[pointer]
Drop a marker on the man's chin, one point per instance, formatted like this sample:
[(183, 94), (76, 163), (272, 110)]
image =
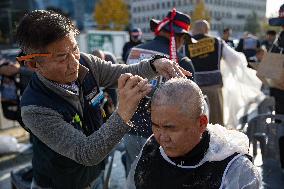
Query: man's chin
[(73, 77), (170, 153)]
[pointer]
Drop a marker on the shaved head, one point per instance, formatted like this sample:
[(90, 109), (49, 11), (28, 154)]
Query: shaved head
[(182, 93), (201, 27), (99, 53)]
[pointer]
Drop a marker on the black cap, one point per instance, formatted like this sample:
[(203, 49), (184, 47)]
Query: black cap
[(135, 31), (278, 21)]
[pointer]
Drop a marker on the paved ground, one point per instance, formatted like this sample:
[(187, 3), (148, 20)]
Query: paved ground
[(18, 161), (11, 162)]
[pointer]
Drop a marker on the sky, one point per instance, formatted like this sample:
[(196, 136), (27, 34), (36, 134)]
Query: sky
[(272, 7)]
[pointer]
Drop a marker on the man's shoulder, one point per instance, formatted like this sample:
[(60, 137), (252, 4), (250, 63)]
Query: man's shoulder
[(157, 44), (242, 172), (237, 160), (86, 56), (145, 45), (89, 60), (35, 94)]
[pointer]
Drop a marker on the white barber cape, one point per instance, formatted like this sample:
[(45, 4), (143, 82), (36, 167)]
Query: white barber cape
[(241, 89), (240, 172)]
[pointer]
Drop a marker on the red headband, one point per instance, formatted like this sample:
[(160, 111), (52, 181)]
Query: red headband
[(180, 24)]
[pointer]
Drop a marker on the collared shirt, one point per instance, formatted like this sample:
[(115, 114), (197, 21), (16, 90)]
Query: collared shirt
[(73, 87)]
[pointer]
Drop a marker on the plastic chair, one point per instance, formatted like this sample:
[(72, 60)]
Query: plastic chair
[(267, 129), (267, 106)]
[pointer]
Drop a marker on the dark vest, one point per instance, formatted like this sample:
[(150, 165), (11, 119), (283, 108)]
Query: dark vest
[(154, 172), (205, 56), (51, 169)]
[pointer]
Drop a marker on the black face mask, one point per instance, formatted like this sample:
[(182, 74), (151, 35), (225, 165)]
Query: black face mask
[(280, 40)]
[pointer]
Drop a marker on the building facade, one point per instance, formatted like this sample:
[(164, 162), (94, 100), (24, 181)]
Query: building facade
[(223, 13), (81, 11)]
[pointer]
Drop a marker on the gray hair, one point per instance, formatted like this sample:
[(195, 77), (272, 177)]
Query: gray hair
[(183, 93), (201, 27)]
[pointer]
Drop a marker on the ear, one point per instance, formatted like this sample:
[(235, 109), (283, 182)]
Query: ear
[(203, 121), (31, 65)]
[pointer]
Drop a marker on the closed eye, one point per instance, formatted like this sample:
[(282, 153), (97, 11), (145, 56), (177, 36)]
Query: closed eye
[(154, 124), (171, 127)]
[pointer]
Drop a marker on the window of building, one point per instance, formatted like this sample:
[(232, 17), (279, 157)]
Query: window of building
[(163, 5), (147, 19), (240, 16), (210, 13), (158, 5), (169, 4)]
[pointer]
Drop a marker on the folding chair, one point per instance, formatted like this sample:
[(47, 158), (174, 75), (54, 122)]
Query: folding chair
[(268, 129)]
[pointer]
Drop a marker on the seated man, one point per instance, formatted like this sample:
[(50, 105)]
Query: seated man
[(187, 152)]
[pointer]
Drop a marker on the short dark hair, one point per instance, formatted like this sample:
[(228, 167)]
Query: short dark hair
[(226, 30), (39, 28), (271, 32)]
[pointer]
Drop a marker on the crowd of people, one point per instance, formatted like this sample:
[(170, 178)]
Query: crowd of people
[(168, 108)]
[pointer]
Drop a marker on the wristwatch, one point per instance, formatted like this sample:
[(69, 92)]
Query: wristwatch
[(155, 57)]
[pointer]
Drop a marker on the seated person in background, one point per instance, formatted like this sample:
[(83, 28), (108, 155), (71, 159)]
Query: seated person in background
[(226, 37), (187, 152), (255, 60), (248, 45), (269, 39)]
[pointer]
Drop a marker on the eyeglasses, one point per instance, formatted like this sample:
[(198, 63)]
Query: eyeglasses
[(31, 56)]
